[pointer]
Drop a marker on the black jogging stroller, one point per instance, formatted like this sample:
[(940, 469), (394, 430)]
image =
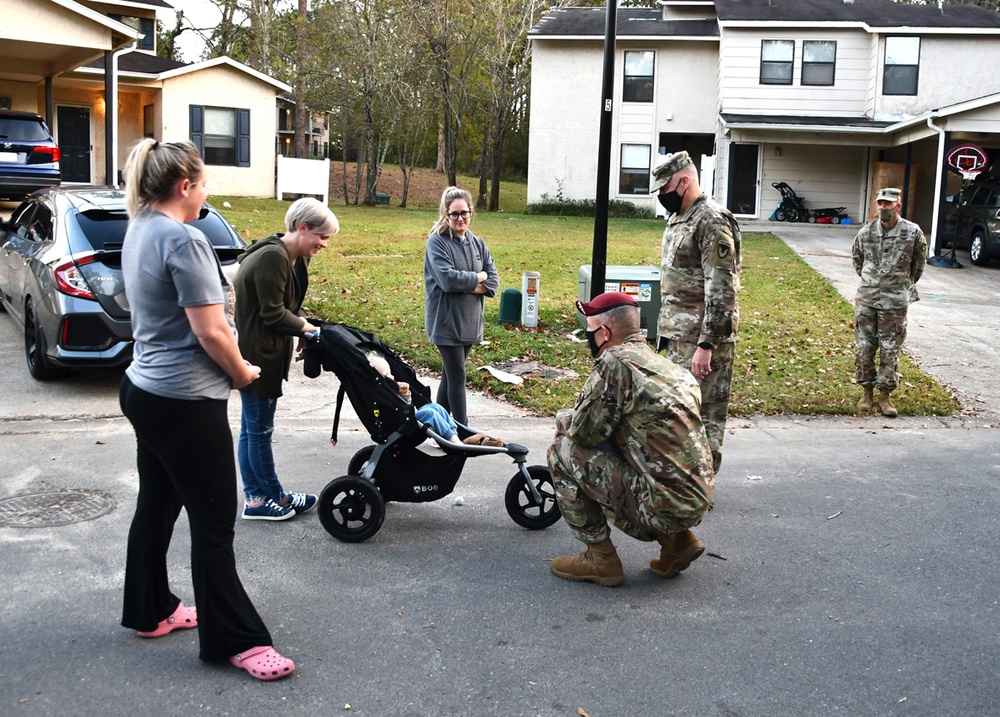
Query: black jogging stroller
[(352, 507), (791, 208)]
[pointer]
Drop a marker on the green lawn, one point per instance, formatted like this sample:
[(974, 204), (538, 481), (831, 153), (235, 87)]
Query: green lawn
[(795, 354)]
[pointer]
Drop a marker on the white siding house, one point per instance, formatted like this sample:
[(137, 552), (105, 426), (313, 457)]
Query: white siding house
[(828, 97)]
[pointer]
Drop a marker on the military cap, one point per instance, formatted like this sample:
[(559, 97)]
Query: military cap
[(890, 194), (667, 168), (605, 302)]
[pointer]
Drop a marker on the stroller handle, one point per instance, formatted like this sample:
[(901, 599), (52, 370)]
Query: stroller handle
[(311, 337)]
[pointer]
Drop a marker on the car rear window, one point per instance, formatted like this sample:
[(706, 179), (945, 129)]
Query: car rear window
[(22, 130), (105, 230), (216, 229)]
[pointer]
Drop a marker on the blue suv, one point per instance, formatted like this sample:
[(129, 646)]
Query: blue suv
[(29, 157)]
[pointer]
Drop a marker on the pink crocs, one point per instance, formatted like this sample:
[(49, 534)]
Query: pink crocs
[(183, 618), (263, 663)]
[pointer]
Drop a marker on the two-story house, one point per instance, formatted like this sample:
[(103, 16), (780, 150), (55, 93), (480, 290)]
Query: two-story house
[(90, 69), (833, 97)]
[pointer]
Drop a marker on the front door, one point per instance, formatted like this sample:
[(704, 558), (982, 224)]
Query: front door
[(741, 195), (73, 135)]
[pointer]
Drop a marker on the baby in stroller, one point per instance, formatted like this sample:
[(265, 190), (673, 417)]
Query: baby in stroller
[(432, 414)]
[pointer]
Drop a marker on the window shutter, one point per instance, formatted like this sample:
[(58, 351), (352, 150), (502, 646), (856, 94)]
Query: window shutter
[(196, 127), (242, 138), (147, 26)]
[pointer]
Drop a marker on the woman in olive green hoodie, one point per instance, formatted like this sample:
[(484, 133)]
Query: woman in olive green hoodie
[(270, 287)]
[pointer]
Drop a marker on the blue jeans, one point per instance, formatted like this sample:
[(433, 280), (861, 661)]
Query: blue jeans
[(437, 419), (254, 449)]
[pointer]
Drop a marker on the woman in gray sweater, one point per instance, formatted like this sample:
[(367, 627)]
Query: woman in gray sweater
[(458, 272)]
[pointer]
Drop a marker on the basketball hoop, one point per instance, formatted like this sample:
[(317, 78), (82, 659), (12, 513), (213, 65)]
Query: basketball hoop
[(968, 160)]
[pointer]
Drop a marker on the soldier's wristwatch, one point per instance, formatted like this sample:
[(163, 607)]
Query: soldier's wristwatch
[(704, 345)]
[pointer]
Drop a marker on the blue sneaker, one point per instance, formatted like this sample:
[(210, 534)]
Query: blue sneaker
[(300, 502), (268, 510)]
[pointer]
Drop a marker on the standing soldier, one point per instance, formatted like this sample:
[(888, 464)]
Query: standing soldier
[(700, 283), (889, 255), (633, 449)]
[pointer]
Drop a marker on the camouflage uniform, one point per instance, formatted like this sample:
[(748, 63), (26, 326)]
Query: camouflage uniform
[(700, 284), (889, 262), (633, 449)]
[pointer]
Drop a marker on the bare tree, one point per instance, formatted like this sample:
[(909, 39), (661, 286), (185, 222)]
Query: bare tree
[(301, 55)]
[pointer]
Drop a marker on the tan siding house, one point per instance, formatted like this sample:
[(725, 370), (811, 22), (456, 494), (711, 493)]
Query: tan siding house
[(54, 56)]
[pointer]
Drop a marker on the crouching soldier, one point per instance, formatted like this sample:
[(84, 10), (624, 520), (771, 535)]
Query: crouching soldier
[(633, 449)]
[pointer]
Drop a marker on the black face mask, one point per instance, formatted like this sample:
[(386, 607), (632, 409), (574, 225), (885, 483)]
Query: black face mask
[(592, 343), (671, 201)]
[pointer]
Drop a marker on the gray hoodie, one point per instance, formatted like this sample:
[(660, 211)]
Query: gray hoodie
[(453, 315)]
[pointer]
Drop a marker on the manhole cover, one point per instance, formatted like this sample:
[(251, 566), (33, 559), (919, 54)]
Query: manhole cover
[(44, 510)]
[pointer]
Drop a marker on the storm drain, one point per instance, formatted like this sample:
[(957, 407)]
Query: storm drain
[(44, 510)]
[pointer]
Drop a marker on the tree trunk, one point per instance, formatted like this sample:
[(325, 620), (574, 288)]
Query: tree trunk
[(495, 167), (484, 168), (301, 114), (343, 156), (439, 167)]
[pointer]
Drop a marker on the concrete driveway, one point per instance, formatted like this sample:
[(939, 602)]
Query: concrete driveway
[(953, 332)]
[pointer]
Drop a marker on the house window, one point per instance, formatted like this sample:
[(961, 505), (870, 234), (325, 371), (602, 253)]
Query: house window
[(902, 59), (221, 134), (145, 25), (638, 86), (634, 177), (819, 57), (776, 62)]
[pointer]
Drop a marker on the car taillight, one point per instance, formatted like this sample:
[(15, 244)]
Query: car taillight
[(44, 155), (70, 280)]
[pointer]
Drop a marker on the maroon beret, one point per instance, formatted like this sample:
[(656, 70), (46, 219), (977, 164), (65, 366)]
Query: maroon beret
[(605, 302)]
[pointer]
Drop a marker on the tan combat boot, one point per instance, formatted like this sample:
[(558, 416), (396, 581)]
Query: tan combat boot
[(676, 553), (599, 564), (865, 404), (885, 405)]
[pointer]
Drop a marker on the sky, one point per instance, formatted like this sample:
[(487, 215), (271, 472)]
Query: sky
[(200, 13)]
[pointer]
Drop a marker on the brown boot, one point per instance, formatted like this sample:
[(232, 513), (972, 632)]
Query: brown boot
[(599, 564), (676, 553), (885, 405), (865, 404)]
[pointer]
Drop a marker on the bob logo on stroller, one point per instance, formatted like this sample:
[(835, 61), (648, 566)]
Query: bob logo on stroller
[(352, 507)]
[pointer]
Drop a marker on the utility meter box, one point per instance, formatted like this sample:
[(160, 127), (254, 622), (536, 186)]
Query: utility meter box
[(529, 298), (640, 282)]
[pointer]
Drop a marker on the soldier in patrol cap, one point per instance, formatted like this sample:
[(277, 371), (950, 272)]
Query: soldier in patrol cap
[(632, 449), (889, 255), (700, 284)]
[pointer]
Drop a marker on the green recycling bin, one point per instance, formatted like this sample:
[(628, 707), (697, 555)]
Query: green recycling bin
[(510, 307)]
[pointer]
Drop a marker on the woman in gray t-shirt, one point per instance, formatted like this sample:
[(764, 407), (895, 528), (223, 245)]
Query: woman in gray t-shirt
[(175, 395)]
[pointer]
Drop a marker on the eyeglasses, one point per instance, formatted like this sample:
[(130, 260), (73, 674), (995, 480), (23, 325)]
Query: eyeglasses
[(455, 216)]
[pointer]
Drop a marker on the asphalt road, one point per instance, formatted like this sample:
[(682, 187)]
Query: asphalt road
[(852, 571)]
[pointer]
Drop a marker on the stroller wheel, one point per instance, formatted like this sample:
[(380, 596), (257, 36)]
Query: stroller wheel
[(812, 219), (521, 504), (351, 509), (779, 215), (357, 465)]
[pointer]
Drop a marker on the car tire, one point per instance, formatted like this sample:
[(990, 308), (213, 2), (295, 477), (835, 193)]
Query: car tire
[(978, 251), (39, 365)]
